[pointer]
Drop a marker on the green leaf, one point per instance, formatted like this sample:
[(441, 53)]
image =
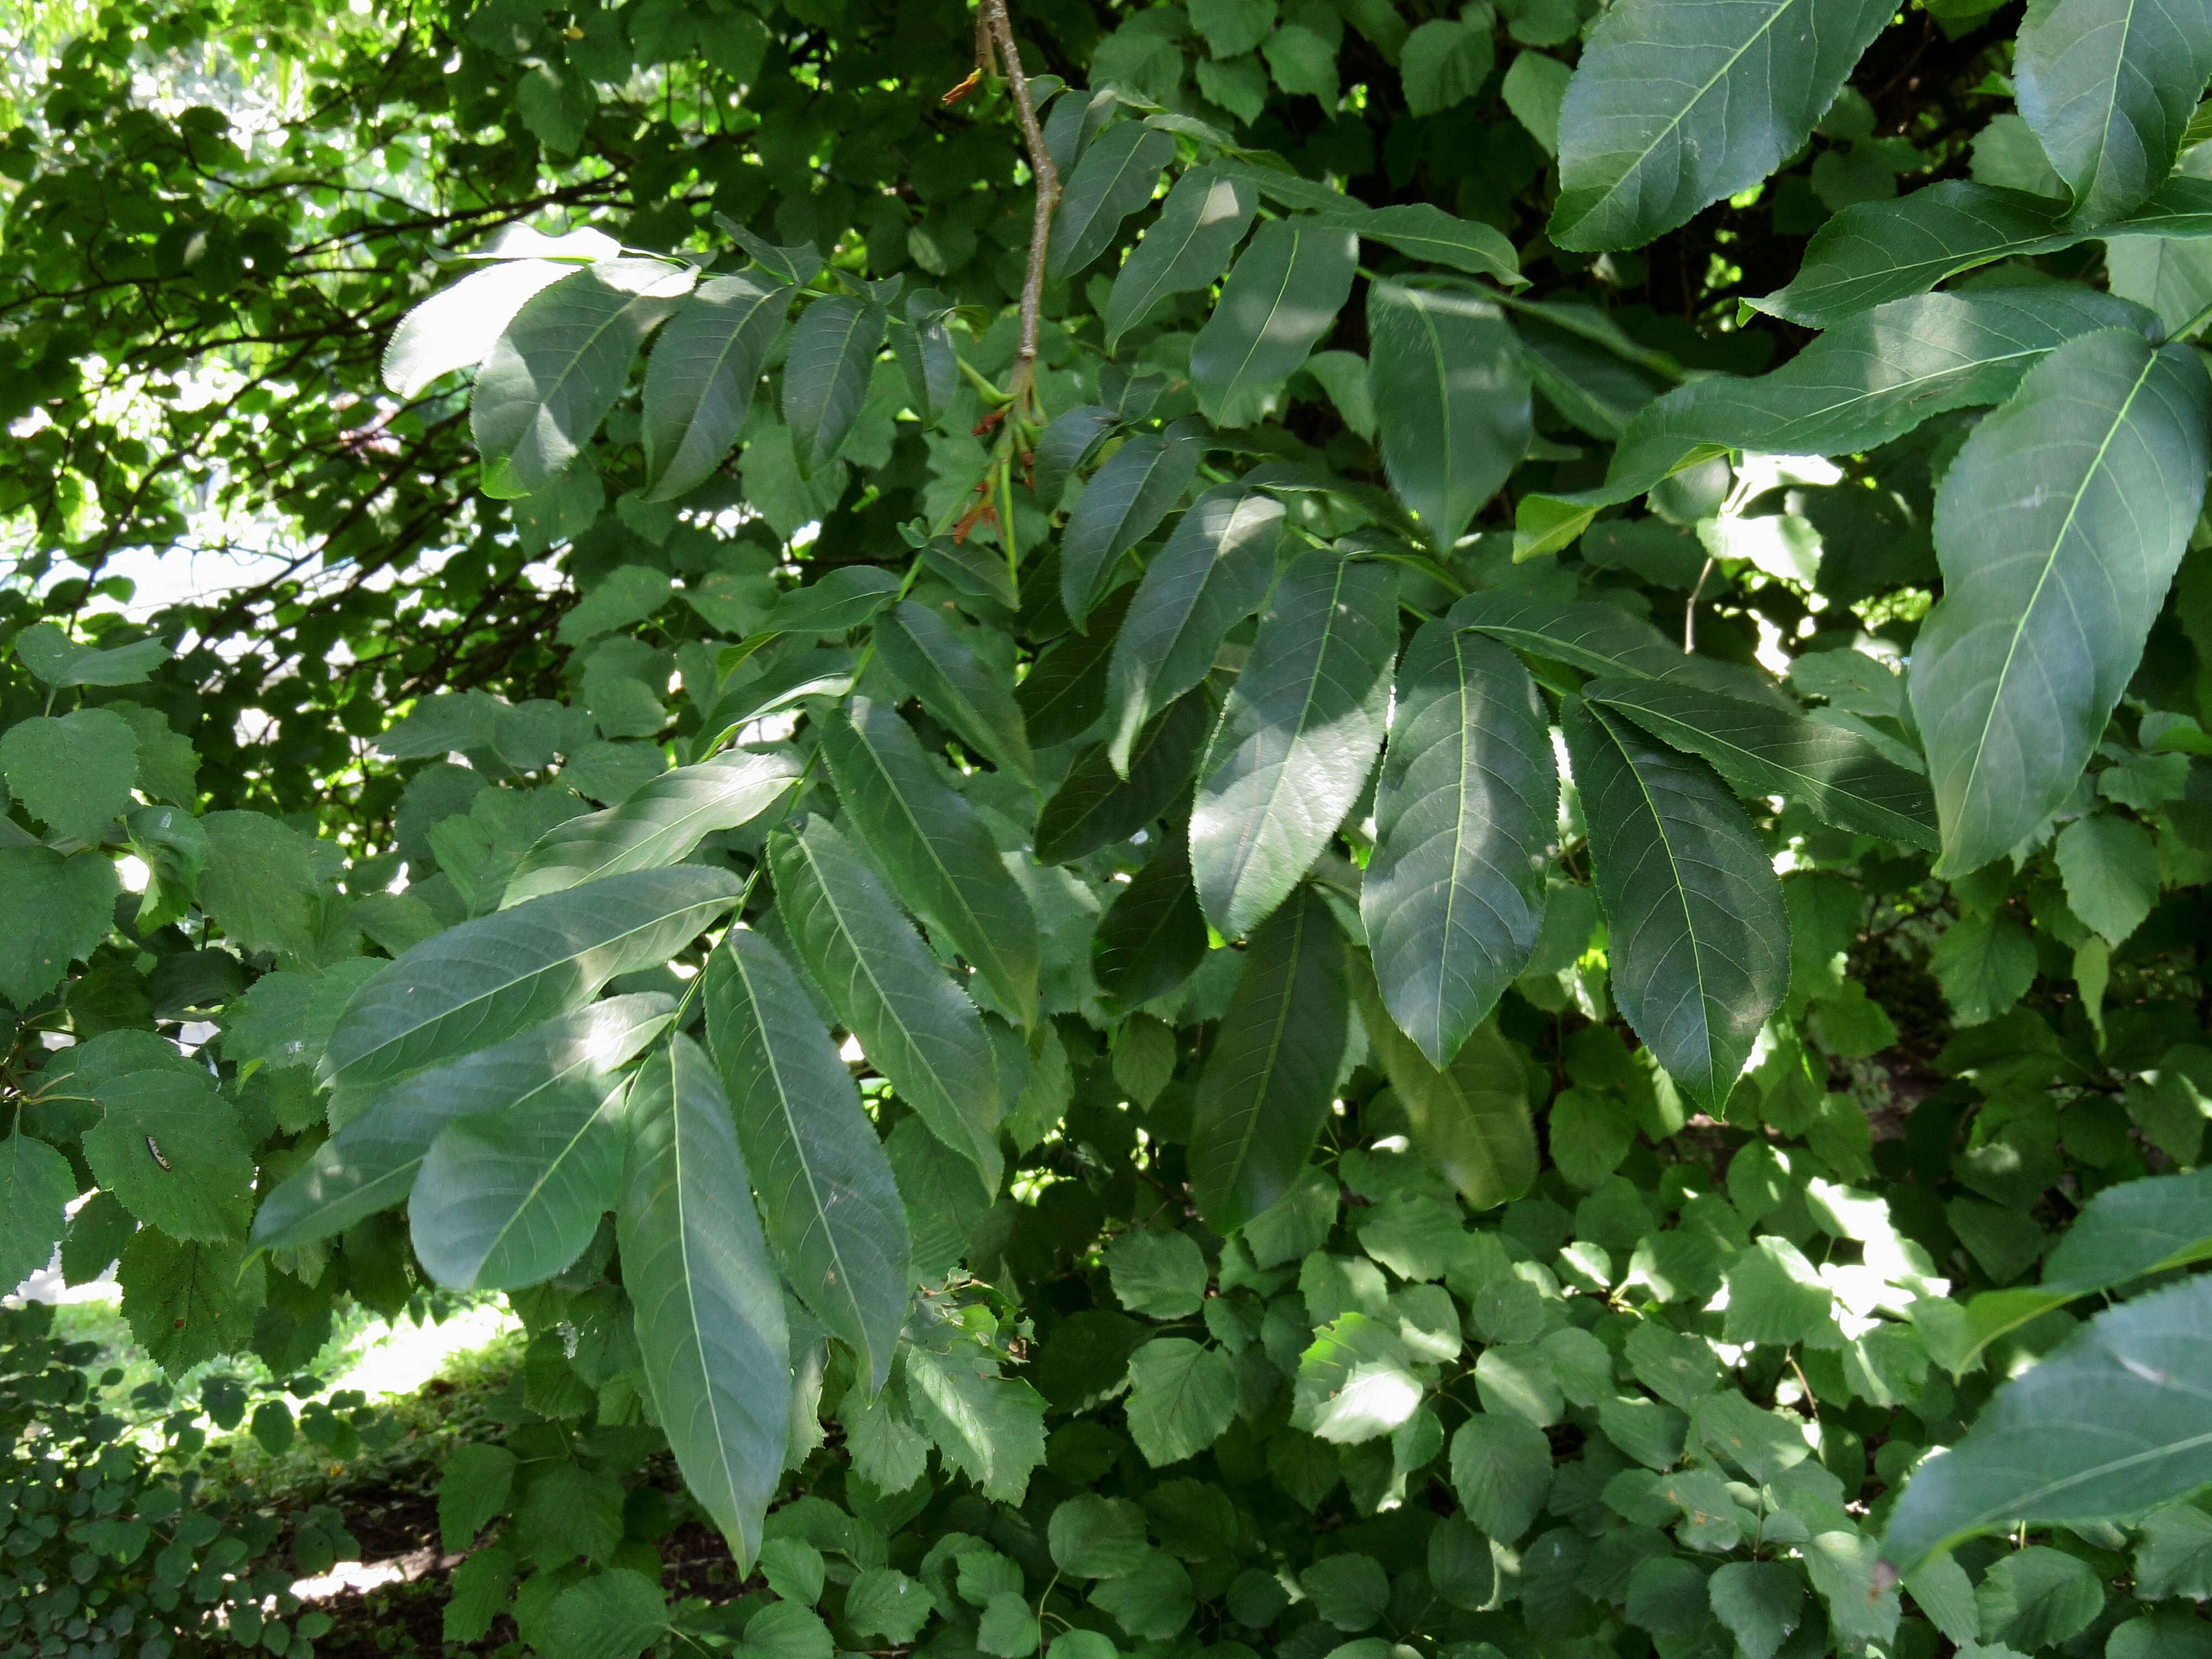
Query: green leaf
[(1470, 1117), (2175, 1557), (1213, 572), (833, 1217), (977, 570), (836, 602), (1008, 1628), (1984, 965), (484, 980), (188, 1303), (1187, 247), (699, 383), (2109, 88), (261, 881), (56, 659), (1065, 691), (1348, 1589), (1501, 1467), (710, 1321), (474, 1491), (455, 327), (2049, 594), (1423, 231), (1068, 443), (883, 1602), (1776, 1296), (1122, 504), (1271, 1073), (72, 772), (198, 1188), (1699, 945), (1297, 737), (1160, 1274), (1535, 89), (926, 356), (921, 647), (1095, 808), (1355, 1382), (913, 1023), (944, 861), (35, 1185), (559, 366), (1281, 297), (1873, 251), (1872, 378), (1153, 1603), (1445, 63), (1116, 175), (1095, 1537), (1673, 108), (1451, 401), (1763, 751), (797, 263), (825, 375), (1182, 1396), (656, 827), (1760, 1602), (609, 1615), (509, 1197), (2110, 871), (58, 910), (2037, 1597), (1466, 809), (1152, 936), (989, 1426)]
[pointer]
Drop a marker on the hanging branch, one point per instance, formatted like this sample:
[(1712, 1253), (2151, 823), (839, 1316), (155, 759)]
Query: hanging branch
[(994, 28)]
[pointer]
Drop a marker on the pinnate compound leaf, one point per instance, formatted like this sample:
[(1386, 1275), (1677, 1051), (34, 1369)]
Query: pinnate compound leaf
[(559, 365), (1269, 1079), (929, 838), (35, 1184), (1672, 107), (1465, 812), (1699, 940), (913, 1023), (1281, 297), (487, 980), (658, 825), (1205, 216), (1452, 401), (1297, 737), (833, 1217), (710, 1320), (2109, 87), (1182, 1395), (923, 650), (825, 375), (699, 383), (2050, 593), (1116, 175), (1122, 504), (1213, 572), (1421, 230), (1763, 750)]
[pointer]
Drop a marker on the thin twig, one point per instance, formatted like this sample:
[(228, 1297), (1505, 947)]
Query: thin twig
[(1689, 610), (991, 16)]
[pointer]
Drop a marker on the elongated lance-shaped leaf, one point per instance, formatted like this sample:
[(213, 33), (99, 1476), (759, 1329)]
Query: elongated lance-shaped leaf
[(656, 826), (2059, 528), (825, 375), (559, 366), (1152, 936), (1763, 750), (1068, 443), (456, 326), (1698, 938), (1213, 573), (1471, 1117), (1188, 246), (2106, 1425), (509, 1197), (371, 1162), (1122, 504), (1423, 231), (2109, 87), (484, 980), (1282, 296), (1117, 174), (710, 1321), (1466, 811), (699, 382), (1096, 807), (923, 343), (1673, 106), (1297, 737), (1065, 691), (1267, 1084), (946, 864), (913, 1023), (833, 1216), (1872, 378), (922, 648), (1452, 401)]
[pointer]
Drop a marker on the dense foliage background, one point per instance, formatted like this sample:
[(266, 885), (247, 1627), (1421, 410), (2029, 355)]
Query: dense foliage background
[(1474, 927)]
